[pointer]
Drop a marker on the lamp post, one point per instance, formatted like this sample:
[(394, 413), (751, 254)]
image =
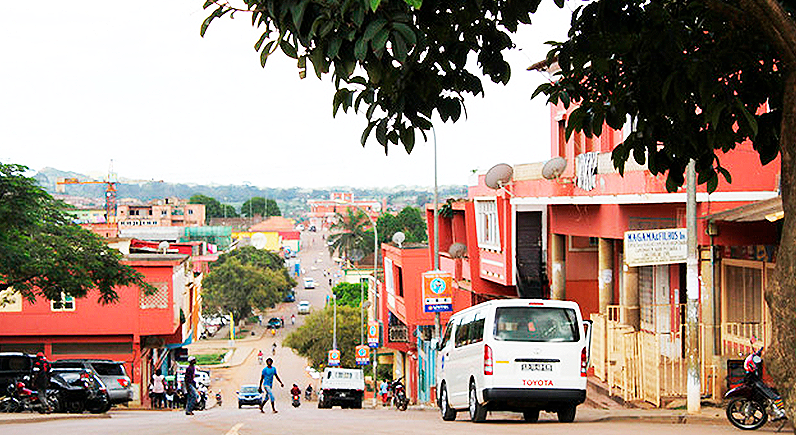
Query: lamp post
[(334, 322), (436, 228)]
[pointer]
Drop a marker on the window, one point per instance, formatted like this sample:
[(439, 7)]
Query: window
[(190, 211), (536, 324), (463, 331), (477, 328), (447, 337), (486, 221), (163, 212), (400, 281), (65, 303)]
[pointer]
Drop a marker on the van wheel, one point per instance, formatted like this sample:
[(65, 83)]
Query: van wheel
[(448, 414), (477, 411), (566, 414), (531, 415)]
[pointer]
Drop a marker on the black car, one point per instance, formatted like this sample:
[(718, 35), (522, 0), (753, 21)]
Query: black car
[(84, 390), (275, 323), (14, 366), (112, 374)]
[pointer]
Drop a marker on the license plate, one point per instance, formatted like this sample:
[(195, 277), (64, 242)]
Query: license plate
[(537, 367)]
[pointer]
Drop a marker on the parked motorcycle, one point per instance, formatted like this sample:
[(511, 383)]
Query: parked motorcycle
[(752, 402), (398, 392), (20, 398), (201, 403)]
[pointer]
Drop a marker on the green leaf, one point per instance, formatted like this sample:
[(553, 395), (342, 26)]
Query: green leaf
[(713, 182), (208, 3), (374, 27), (414, 3), (260, 41), (360, 49), (408, 138), (205, 24), (333, 48), (406, 32), (266, 52), (374, 4), (381, 132), (559, 3), (725, 173), (380, 40), (398, 47), (339, 96), (297, 11), (288, 48), (366, 132)]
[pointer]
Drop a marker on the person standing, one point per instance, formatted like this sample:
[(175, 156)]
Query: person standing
[(158, 390), (41, 379), (384, 391), (267, 383), (190, 386)]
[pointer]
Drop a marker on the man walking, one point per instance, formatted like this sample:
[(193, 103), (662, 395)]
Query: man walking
[(190, 386), (267, 382)]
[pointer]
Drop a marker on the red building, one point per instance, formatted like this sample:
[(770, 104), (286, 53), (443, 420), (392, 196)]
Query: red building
[(136, 329), (322, 211)]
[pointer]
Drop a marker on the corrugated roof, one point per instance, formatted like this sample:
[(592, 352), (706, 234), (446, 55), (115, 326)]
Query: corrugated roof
[(756, 211)]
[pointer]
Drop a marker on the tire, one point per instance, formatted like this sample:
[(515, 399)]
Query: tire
[(566, 414), (75, 407), (448, 413), (239, 405), (8, 404), (358, 404), (477, 411), (746, 414), (531, 415)]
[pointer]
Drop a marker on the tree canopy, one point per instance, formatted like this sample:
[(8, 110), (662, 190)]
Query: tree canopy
[(348, 233), (396, 60), (213, 208), (260, 206), (44, 254), (313, 339), (349, 294), (410, 221), (244, 280)]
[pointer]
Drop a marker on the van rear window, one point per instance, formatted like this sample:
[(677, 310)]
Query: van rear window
[(538, 324)]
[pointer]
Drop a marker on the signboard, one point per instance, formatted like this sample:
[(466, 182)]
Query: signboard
[(651, 247), (373, 334), (437, 292), (334, 358), (362, 353)]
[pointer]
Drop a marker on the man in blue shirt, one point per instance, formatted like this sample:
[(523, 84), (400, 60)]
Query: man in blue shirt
[(267, 382)]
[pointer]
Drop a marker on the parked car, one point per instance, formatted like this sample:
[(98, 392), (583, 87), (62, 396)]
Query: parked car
[(89, 392), (112, 374), (201, 377), (290, 296), (13, 366), (304, 307), (275, 323), (249, 395), (520, 355), (309, 283)]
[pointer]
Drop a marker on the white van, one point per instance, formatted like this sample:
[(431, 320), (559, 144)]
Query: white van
[(522, 355)]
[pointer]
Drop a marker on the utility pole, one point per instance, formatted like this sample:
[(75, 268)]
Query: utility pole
[(436, 229), (334, 334), (693, 385)]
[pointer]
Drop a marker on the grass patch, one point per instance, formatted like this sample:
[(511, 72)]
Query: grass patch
[(210, 358)]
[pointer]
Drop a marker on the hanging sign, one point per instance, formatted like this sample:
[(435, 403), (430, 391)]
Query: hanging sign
[(362, 355), (437, 292), (651, 247), (334, 358), (373, 334)]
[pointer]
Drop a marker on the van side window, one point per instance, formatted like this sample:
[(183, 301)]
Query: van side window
[(447, 337), (463, 331), (477, 328)]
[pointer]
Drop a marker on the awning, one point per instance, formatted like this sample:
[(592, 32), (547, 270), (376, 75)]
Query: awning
[(769, 209)]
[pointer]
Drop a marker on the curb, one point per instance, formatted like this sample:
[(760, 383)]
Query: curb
[(660, 419), (51, 417)]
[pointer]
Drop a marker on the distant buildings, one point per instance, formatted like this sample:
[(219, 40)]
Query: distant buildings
[(322, 211)]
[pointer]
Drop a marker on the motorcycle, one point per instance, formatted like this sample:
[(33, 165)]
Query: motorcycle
[(752, 402), (399, 394), (308, 394), (20, 398), (201, 402), (296, 400), (218, 399)]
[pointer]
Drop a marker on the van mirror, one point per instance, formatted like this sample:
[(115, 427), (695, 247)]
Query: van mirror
[(587, 329)]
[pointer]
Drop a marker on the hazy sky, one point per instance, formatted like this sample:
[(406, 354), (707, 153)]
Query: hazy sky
[(84, 82)]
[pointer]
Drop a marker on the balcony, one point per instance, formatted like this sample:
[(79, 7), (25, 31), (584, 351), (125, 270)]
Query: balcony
[(398, 334)]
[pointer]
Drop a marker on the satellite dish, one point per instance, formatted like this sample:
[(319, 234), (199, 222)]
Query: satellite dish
[(398, 238), (498, 176), (163, 246), (554, 168), (356, 255), (258, 240), (457, 250)]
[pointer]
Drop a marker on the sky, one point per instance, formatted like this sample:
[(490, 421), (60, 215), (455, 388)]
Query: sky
[(85, 83)]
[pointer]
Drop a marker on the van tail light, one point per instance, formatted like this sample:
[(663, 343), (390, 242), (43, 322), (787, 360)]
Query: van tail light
[(124, 382), (583, 367), (488, 360)]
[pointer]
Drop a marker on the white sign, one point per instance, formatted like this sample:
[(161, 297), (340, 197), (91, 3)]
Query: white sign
[(650, 247)]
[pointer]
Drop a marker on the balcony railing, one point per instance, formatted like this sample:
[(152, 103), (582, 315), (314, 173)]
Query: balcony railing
[(398, 334)]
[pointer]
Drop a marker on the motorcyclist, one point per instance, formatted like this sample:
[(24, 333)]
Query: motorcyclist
[(260, 357), (308, 392), (295, 391), (41, 379), (292, 319)]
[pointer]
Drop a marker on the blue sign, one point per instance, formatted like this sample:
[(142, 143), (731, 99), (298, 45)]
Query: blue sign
[(438, 308)]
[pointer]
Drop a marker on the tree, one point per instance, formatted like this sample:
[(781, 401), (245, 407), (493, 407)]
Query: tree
[(44, 254), (239, 288), (260, 206), (261, 259), (313, 339), (696, 77), (349, 294), (213, 208), (409, 221), (403, 61), (348, 232)]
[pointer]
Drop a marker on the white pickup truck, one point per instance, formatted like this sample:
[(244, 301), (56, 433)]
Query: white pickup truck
[(343, 387)]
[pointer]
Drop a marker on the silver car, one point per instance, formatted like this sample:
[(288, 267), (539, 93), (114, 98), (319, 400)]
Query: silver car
[(112, 374)]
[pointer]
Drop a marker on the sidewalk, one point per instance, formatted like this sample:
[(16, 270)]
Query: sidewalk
[(26, 417)]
